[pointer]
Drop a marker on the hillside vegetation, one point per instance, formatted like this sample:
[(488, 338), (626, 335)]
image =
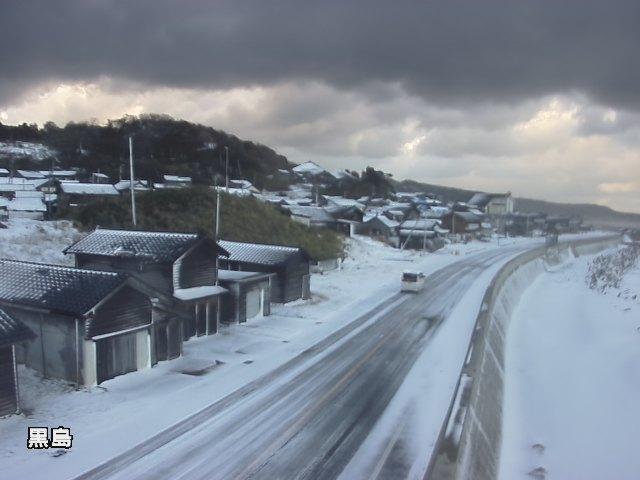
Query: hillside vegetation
[(193, 210), (162, 145)]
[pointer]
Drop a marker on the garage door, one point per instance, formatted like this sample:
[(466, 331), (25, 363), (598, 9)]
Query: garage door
[(253, 303), (116, 356)]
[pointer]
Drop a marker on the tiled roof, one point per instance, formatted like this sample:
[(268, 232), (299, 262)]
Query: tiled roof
[(12, 330), (160, 247), (62, 289), (259, 253)]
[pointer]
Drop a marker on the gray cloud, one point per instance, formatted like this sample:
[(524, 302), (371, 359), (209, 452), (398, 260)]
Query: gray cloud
[(448, 51)]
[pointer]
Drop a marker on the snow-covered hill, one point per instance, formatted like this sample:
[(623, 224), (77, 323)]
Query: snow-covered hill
[(35, 151)]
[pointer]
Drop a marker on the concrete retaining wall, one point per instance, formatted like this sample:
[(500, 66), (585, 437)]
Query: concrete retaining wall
[(469, 444)]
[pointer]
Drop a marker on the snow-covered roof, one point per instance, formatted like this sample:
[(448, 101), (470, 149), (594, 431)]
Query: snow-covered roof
[(309, 168), (4, 171), (420, 224), (68, 290), (343, 202), (28, 194), (27, 204), (14, 187), (100, 175), (196, 293), (88, 188), (176, 178), (384, 220), (30, 174), (137, 185), (314, 214), (259, 253), (151, 246), (59, 173)]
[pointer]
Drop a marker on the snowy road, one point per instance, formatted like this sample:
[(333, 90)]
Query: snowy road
[(309, 418)]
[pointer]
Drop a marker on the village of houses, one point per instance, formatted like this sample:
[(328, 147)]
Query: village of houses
[(104, 304)]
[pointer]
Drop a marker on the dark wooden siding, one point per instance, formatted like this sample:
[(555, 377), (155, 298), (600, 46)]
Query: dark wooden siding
[(127, 308), (115, 356), (293, 279), (228, 308), (155, 275), (197, 268), (287, 284), (8, 397)]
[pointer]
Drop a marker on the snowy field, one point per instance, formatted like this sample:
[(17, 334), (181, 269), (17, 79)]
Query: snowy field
[(573, 379), (126, 410), (35, 241)]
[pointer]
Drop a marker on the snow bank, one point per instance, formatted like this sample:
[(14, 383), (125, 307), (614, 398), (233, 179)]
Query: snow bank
[(474, 452), (572, 381)]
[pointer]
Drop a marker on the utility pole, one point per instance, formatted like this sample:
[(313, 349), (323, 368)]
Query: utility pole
[(226, 153), (131, 182), (217, 234)]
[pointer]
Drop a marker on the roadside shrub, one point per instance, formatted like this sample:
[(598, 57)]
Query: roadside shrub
[(607, 270)]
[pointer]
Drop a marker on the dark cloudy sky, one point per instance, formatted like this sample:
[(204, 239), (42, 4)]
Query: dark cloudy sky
[(538, 97)]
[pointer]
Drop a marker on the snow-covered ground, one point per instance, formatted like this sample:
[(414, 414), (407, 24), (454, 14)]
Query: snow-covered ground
[(573, 379), (36, 241), (128, 409)]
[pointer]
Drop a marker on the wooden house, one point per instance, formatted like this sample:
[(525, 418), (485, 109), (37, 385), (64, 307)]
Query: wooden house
[(91, 326), (420, 234), (463, 222), (382, 228), (180, 265), (289, 264), (12, 332)]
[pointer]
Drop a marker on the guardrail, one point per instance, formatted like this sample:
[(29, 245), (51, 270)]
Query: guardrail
[(468, 446)]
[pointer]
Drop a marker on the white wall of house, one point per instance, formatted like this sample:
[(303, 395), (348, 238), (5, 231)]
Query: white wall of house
[(89, 372)]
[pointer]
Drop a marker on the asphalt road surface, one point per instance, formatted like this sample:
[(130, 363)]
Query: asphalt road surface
[(308, 418)]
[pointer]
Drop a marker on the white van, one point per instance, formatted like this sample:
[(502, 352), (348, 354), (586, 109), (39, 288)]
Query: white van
[(412, 281)]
